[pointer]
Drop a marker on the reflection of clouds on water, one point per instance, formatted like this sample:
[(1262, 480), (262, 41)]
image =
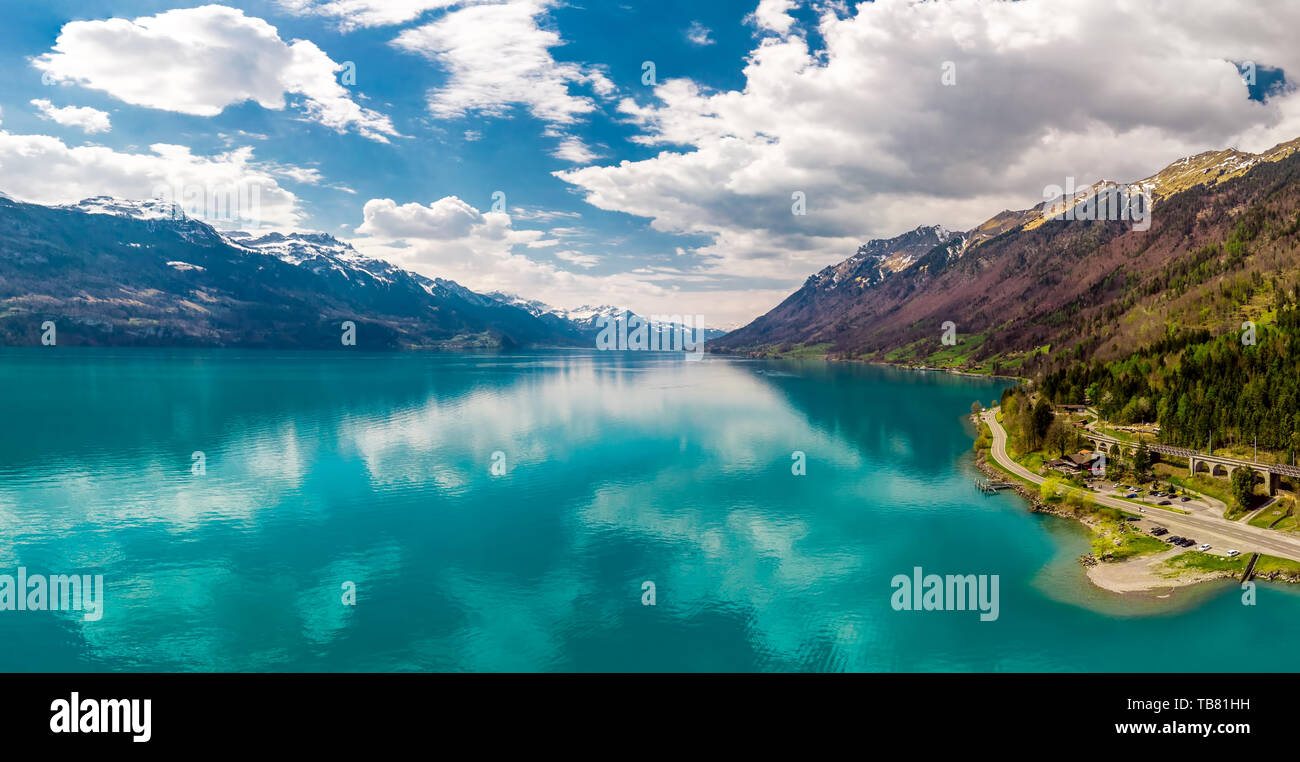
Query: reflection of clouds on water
[(753, 562), (450, 441), (321, 609), (247, 476), (662, 459), (900, 445), (742, 557), (510, 627)]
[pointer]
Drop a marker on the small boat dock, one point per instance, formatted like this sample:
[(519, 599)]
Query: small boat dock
[(988, 486)]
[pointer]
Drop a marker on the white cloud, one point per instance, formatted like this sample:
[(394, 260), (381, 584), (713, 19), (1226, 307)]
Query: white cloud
[(698, 34), (578, 258), (44, 170), (445, 219), (498, 57), (90, 120), (201, 60), (480, 250), (866, 129), (774, 15), (355, 14), (572, 149)]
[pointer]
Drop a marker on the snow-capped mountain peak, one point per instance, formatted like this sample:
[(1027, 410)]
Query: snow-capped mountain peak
[(145, 209), (585, 313)]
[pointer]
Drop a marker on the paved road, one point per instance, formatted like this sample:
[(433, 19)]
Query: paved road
[(1216, 530)]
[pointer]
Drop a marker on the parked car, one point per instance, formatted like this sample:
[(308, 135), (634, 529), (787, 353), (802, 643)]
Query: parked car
[(1131, 495), (1185, 499), (1164, 502), (1234, 553), (1203, 547)]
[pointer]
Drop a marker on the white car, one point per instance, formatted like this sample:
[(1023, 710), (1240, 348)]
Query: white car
[(1204, 547), (1233, 553)]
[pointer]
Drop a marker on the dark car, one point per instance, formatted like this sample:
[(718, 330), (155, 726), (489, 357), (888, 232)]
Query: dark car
[(1164, 502), (1186, 499)]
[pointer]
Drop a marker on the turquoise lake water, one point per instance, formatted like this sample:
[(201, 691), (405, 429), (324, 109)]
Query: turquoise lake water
[(323, 469)]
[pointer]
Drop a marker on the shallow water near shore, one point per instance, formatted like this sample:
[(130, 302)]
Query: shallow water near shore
[(324, 469)]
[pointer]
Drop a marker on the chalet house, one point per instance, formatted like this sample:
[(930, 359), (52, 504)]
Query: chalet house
[(1075, 463)]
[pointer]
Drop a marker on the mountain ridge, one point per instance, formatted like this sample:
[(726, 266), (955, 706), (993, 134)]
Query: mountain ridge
[(1012, 282), (111, 271)]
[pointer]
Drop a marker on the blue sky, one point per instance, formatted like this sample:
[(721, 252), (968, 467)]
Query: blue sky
[(672, 196)]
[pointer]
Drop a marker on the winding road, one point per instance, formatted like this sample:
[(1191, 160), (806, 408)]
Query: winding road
[(1216, 530)]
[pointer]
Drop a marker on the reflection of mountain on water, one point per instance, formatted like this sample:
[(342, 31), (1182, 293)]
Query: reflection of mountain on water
[(880, 409), (183, 400)]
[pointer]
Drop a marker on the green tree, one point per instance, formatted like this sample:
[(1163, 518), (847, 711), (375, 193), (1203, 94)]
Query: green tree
[(1047, 490), (1243, 487), (1060, 436), (1079, 500), (1142, 458), (1042, 419)]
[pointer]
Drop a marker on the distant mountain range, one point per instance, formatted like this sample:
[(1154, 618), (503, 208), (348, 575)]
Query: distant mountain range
[(586, 319), (110, 271), (1023, 290)]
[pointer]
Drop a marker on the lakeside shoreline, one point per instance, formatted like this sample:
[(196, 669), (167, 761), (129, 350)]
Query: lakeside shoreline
[(880, 363), (1136, 577)]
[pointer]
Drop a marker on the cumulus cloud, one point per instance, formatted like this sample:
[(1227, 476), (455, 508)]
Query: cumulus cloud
[(498, 57), (449, 238), (201, 60), (445, 219), (90, 120), (858, 119), (774, 15), (44, 170)]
